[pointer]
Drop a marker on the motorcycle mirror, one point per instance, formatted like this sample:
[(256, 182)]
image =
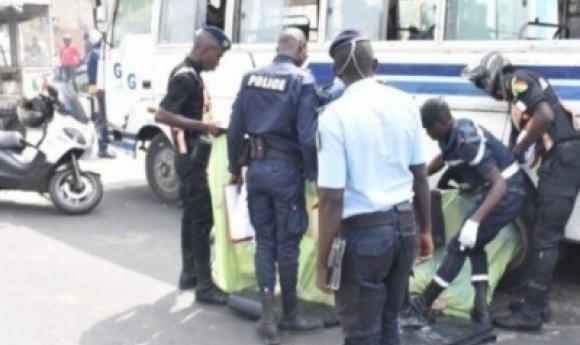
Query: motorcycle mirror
[(27, 104)]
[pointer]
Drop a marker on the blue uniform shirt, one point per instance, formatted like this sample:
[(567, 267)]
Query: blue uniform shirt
[(368, 139), (93, 63), (278, 103), (333, 92), (475, 152)]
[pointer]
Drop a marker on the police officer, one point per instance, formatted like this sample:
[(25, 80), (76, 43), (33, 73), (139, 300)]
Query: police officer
[(181, 108), (99, 111), (540, 121), (331, 92), (489, 168), (276, 108), (371, 165)]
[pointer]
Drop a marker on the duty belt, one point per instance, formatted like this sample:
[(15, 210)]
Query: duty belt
[(279, 154), (366, 220), (259, 150)]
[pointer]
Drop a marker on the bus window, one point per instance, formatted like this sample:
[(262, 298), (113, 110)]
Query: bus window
[(262, 20), (180, 19), (368, 16), (131, 17), (572, 16), (412, 20), (303, 14), (501, 20), (216, 13)]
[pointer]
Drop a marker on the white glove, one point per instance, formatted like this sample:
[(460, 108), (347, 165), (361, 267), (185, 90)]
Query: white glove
[(468, 234)]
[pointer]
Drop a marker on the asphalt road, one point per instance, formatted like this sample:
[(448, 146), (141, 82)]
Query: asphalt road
[(109, 278)]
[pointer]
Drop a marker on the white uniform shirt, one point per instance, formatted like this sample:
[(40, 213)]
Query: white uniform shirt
[(368, 139)]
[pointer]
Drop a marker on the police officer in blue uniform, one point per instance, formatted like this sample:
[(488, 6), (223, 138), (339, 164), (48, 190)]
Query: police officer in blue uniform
[(489, 168), (331, 92), (371, 166), (543, 123), (276, 109), (182, 108)]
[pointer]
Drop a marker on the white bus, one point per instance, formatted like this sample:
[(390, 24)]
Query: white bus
[(422, 47)]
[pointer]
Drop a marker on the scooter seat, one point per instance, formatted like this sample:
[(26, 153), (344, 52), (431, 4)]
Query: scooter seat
[(12, 162), (11, 140)]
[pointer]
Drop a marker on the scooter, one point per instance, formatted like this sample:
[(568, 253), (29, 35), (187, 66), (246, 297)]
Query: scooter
[(57, 164)]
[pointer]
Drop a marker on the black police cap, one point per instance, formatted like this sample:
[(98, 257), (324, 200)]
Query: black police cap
[(344, 38), (219, 36)]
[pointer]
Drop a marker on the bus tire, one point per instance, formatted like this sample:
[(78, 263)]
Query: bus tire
[(160, 169), (518, 271)]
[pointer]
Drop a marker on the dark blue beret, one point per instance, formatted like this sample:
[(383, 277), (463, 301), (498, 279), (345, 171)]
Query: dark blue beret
[(220, 37), (343, 38)]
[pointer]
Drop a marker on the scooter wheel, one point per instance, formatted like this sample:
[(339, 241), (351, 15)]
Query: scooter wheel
[(71, 200)]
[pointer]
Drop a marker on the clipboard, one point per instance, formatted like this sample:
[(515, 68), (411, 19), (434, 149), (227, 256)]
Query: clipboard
[(240, 228)]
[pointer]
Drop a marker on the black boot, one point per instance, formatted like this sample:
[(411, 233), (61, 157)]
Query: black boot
[(293, 320), (187, 280), (546, 312), (207, 292), (528, 317), (480, 312), (267, 326), (417, 313), (188, 276)]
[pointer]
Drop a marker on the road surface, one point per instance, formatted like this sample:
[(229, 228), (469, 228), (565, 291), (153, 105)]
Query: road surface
[(109, 278)]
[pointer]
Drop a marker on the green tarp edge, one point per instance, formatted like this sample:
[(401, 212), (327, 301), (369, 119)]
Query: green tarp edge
[(234, 263)]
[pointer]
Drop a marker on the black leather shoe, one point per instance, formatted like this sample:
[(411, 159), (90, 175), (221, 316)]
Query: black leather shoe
[(187, 281), (211, 295), (293, 319), (520, 321), (416, 315), (301, 323), (546, 312)]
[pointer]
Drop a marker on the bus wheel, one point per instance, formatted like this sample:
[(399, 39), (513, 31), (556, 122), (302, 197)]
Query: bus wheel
[(159, 166), (518, 271)]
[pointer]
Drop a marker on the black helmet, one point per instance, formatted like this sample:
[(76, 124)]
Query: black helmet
[(488, 74)]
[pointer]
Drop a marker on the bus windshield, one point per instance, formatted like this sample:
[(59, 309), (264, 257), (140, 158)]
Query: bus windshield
[(501, 20)]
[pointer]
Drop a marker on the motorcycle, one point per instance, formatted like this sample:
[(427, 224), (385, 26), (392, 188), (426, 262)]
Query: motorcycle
[(59, 161)]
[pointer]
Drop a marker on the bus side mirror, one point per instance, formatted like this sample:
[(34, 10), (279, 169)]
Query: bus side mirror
[(100, 15)]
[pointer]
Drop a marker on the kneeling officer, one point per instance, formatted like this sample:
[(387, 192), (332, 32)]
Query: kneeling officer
[(276, 108), (486, 165)]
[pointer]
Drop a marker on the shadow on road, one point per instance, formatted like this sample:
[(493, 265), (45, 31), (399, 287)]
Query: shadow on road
[(129, 228), (164, 322), (145, 324)]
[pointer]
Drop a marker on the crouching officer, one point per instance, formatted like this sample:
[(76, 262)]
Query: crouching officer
[(371, 165), (182, 109), (540, 121), (490, 168), (276, 108)]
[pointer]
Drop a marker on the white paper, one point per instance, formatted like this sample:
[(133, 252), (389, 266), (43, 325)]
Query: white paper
[(239, 225)]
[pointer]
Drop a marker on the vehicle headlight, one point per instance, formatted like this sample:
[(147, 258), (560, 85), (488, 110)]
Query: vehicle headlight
[(76, 135)]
